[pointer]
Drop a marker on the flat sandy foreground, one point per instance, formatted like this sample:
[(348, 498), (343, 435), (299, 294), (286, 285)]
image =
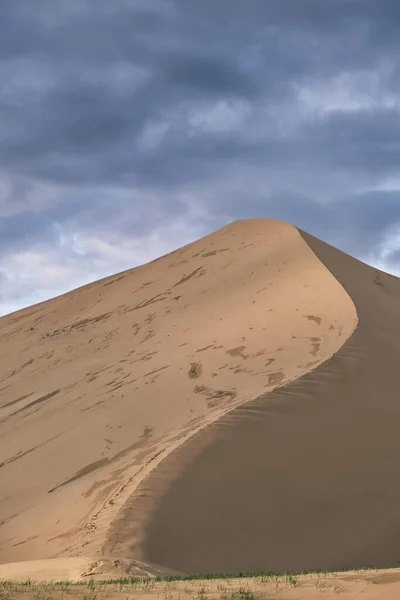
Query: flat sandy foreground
[(230, 407), (368, 584)]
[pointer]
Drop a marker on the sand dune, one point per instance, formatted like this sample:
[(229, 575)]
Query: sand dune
[(99, 385), (302, 478)]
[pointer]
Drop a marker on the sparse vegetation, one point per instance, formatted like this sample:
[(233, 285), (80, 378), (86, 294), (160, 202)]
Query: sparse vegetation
[(242, 594), (210, 586), (223, 585)]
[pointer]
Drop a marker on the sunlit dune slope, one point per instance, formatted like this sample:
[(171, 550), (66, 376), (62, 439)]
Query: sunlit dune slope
[(99, 384)]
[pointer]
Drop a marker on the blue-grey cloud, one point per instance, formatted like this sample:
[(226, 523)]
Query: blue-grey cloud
[(160, 120)]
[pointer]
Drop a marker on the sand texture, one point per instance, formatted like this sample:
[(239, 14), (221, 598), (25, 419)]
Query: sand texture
[(139, 421), (368, 585), (302, 478)]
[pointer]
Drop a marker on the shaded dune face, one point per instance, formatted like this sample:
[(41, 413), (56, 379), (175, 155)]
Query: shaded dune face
[(304, 477), (99, 384)]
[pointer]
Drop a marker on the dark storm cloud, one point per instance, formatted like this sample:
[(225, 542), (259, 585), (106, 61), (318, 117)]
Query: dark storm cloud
[(135, 112), (393, 259), (23, 229), (359, 222), (188, 55), (365, 140)]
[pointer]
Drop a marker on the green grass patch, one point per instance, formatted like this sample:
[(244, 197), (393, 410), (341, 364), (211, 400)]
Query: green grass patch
[(149, 582)]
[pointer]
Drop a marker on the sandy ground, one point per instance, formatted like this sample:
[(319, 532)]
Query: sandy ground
[(369, 585), (55, 569), (302, 478), (98, 385)]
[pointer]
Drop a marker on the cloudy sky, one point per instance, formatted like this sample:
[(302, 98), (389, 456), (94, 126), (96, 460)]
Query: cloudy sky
[(131, 127)]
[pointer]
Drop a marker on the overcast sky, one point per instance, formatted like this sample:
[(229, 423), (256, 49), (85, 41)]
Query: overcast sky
[(131, 127)]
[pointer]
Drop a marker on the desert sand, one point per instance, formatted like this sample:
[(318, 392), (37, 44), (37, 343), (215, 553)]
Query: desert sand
[(139, 421), (48, 569), (369, 585), (299, 479)]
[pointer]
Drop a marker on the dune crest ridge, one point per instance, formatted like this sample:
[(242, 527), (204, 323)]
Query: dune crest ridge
[(100, 384), (298, 479)]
